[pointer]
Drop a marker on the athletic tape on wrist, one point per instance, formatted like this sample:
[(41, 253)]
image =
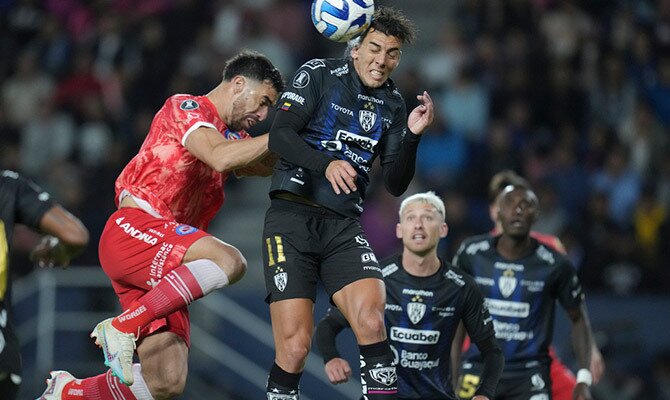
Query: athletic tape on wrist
[(584, 376)]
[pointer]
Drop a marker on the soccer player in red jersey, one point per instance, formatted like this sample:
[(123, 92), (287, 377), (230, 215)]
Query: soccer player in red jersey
[(562, 379), (154, 248)]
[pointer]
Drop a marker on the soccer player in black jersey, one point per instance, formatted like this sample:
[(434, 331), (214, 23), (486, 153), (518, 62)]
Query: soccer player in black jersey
[(23, 202), (521, 279), (335, 119), (426, 298)]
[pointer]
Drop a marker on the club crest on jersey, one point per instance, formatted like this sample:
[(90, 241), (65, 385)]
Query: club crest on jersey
[(183, 229), (384, 375), (301, 80), (507, 283), (416, 311), (367, 119), (189, 105), (281, 279)]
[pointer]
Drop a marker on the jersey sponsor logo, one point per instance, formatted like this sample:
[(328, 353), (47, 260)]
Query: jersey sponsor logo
[(183, 229), (507, 283), (417, 292), (417, 360), (545, 254), (189, 104), (367, 119), (136, 233), (363, 142), (10, 174), (367, 257), (484, 281), (301, 80), (314, 64), (341, 109), (458, 279), (372, 268), (415, 311), (392, 307), (533, 286), (157, 263), (414, 336), (339, 71), (389, 269), (359, 160), (294, 97), (509, 331), (506, 308), (281, 279), (384, 375), (444, 311), (477, 247), (370, 98), (508, 266), (134, 314)]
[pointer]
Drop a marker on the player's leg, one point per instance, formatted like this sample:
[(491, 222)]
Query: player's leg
[(292, 329), (63, 386), (8, 387), (352, 278), (164, 360), (362, 303)]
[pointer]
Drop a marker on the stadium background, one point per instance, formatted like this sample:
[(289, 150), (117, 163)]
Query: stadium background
[(573, 95)]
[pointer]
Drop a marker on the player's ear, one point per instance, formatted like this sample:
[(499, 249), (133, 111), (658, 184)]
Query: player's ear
[(444, 229), (239, 82), (398, 231)]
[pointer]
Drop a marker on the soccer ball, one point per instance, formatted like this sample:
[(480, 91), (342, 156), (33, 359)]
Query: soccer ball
[(342, 20)]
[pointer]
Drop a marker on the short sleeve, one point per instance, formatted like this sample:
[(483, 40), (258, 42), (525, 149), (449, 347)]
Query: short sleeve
[(32, 203), (185, 115)]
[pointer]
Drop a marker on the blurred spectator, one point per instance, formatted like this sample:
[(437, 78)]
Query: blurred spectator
[(613, 95), (646, 139), (442, 156), (465, 105)]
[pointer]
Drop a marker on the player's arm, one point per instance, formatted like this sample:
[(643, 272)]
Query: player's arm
[(479, 325), (262, 167), (66, 238), (211, 147), (337, 369), (455, 355)]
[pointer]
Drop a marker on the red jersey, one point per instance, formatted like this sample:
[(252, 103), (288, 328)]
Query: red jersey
[(171, 180)]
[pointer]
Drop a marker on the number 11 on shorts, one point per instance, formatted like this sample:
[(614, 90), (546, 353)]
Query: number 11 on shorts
[(280, 250)]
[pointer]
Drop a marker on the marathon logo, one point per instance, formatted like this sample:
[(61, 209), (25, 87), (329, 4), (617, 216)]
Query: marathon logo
[(363, 142), (134, 314), (414, 336), (506, 266), (370, 98), (417, 292), (505, 308), (136, 233)]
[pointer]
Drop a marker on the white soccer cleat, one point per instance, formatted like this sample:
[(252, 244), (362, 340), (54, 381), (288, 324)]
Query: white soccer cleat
[(55, 385), (118, 348)]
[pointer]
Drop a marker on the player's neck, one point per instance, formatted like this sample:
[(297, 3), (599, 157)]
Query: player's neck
[(420, 265), (513, 248)]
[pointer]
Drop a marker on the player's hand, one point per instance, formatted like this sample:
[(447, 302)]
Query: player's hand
[(581, 392), (49, 253), (422, 116), (337, 370), (597, 366), (342, 176)]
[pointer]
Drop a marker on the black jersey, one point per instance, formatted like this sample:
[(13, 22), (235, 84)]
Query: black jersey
[(422, 314), (346, 121), (521, 297), (21, 201)]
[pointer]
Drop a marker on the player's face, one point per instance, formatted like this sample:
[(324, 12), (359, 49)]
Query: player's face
[(376, 57), (251, 105), (421, 227), (517, 210)]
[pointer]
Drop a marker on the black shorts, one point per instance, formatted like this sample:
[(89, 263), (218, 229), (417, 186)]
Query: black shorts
[(302, 244), (530, 384), (10, 351)]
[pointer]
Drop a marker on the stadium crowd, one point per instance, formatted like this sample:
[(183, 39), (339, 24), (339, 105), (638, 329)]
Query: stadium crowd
[(575, 96)]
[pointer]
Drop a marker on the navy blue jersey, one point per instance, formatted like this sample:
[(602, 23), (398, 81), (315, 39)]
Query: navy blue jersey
[(521, 297), (422, 314), (346, 121)]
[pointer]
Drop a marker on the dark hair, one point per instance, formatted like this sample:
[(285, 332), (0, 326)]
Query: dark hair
[(392, 22), (503, 179), (255, 66)]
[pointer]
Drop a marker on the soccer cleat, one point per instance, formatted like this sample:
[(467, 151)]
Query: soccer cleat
[(56, 384), (118, 348)]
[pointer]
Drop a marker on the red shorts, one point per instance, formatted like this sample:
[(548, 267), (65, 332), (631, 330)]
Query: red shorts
[(136, 250), (562, 379)]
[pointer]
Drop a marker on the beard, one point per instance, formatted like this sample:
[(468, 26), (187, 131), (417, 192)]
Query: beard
[(237, 116)]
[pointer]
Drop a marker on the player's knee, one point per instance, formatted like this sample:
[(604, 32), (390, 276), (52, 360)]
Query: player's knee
[(170, 385), (370, 323), (236, 266), (293, 353)]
